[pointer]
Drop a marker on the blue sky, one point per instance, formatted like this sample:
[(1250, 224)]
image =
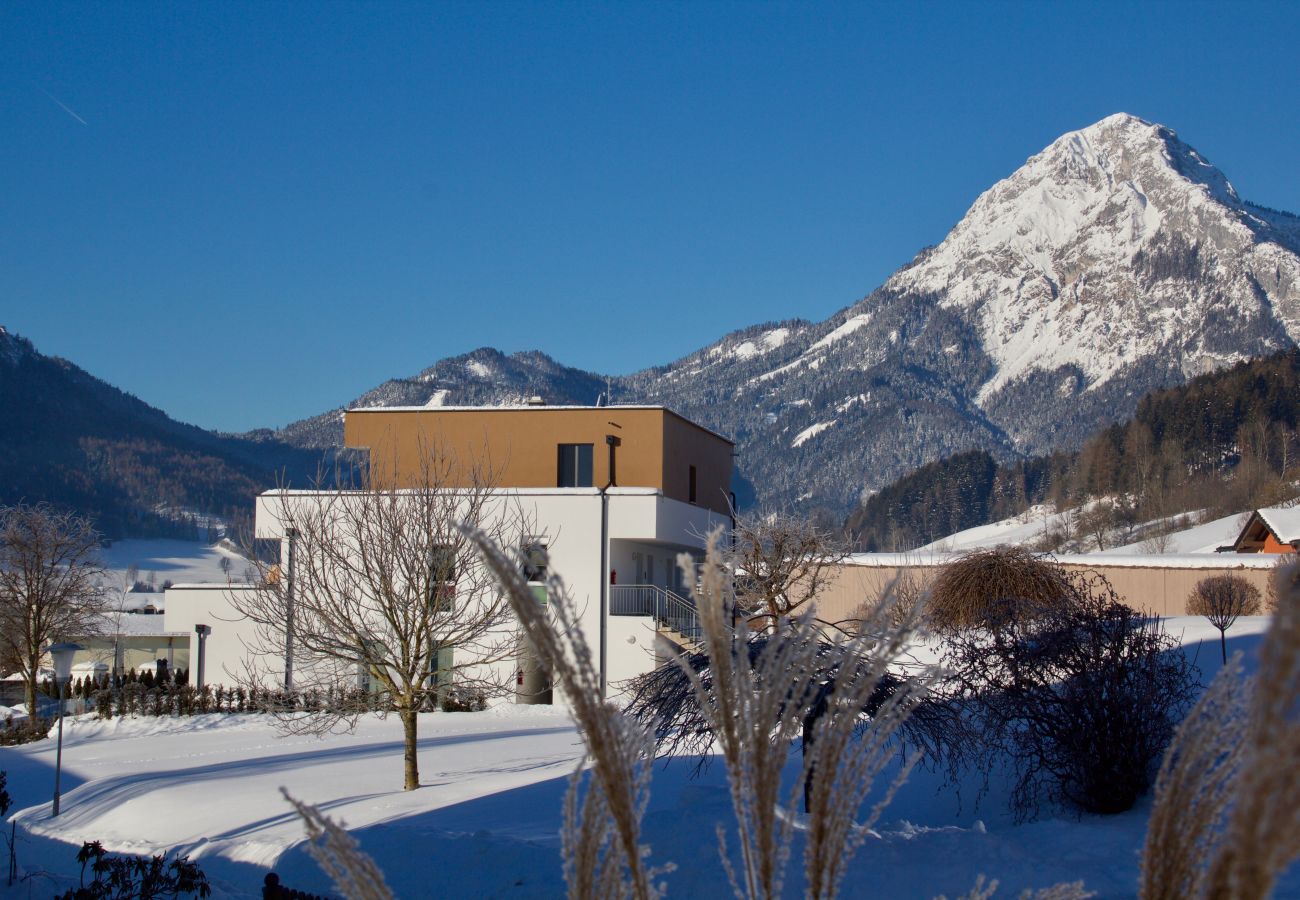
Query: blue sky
[(246, 214)]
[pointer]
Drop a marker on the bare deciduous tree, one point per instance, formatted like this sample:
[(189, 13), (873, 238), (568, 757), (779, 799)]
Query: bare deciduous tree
[(385, 589), (1222, 599), (781, 563), (49, 584)]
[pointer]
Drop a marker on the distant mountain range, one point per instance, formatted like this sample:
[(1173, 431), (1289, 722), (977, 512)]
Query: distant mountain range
[(1116, 261), (74, 440)]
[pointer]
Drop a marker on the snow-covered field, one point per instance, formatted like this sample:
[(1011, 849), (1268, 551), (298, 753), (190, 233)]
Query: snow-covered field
[(1030, 527), (485, 821), (180, 562)]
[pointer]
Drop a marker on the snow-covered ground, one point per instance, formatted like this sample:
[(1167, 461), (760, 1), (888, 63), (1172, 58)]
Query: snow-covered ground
[(180, 562), (485, 821), (1030, 527), (1204, 538)]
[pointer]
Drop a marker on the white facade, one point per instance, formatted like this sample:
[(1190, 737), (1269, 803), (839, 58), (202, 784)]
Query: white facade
[(227, 653), (643, 533)]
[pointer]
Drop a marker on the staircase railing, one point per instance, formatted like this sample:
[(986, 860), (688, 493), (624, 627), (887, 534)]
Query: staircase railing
[(665, 607)]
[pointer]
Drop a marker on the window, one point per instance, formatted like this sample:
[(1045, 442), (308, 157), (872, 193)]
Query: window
[(442, 576), (691, 490), (575, 465), (534, 553), (442, 665)]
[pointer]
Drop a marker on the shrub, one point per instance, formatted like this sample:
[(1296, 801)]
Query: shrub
[(135, 876), (1221, 599), (1081, 697), (990, 587), (463, 699), (23, 733)]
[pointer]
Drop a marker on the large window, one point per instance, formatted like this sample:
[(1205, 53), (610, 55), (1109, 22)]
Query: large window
[(575, 465)]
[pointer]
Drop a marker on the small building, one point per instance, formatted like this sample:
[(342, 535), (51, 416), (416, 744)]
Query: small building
[(1273, 529), (610, 495)]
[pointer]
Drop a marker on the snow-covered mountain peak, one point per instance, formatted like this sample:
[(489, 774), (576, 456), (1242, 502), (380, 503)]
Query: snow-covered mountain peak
[(1110, 242), (1114, 261)]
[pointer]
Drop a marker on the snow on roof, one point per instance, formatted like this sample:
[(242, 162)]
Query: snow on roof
[(1096, 560), (1283, 522)]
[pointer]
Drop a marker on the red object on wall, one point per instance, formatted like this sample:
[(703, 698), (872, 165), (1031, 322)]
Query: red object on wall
[(613, 576)]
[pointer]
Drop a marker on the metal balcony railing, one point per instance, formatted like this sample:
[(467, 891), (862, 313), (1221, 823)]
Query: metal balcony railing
[(665, 607)]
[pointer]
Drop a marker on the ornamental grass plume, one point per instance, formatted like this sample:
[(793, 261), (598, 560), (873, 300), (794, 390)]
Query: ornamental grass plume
[(1194, 790), (353, 872), (1226, 819), (984, 890), (601, 833), (758, 702)]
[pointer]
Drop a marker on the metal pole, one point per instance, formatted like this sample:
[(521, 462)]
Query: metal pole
[(604, 584), (291, 534), (612, 441), (58, 754), (202, 631)]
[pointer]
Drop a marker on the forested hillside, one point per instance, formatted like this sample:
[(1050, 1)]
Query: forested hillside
[(1223, 442), (75, 441)]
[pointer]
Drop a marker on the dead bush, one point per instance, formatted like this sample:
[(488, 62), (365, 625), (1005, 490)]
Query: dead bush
[(991, 587), (1082, 697)]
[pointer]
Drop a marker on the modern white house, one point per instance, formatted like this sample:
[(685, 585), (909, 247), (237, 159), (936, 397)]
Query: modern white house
[(611, 494)]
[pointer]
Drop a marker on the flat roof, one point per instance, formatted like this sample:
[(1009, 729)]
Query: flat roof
[(530, 407), (613, 491)]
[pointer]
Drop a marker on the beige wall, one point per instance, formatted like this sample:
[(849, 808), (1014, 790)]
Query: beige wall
[(1159, 590), (517, 447)]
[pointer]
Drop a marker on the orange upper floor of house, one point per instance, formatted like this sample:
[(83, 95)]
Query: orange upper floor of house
[(545, 446)]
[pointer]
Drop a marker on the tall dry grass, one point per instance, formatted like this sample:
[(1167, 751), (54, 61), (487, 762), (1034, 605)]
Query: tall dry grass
[(1226, 819), (601, 832), (758, 704), (353, 872)]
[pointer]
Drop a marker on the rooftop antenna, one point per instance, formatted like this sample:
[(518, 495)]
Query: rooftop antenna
[(609, 395)]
